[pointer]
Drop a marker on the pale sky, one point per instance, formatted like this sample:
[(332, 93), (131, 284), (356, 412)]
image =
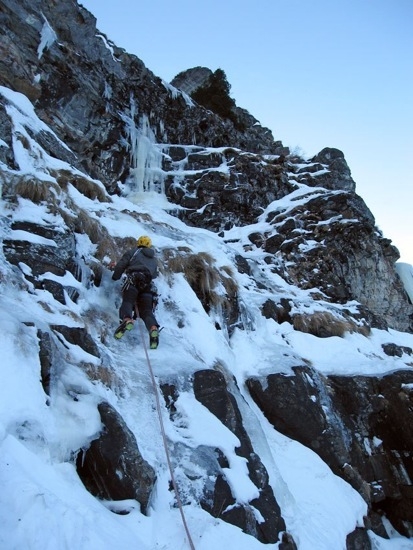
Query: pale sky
[(325, 73)]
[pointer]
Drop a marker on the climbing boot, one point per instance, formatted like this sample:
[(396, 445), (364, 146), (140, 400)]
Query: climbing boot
[(126, 324), (153, 337)]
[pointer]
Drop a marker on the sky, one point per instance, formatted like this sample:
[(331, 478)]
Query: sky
[(39, 434), (318, 74)]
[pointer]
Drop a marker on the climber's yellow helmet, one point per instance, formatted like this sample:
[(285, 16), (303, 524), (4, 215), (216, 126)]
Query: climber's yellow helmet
[(144, 241)]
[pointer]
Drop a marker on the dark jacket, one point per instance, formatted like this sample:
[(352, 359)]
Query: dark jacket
[(134, 260)]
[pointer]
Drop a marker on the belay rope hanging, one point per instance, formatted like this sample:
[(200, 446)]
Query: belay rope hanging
[(165, 444)]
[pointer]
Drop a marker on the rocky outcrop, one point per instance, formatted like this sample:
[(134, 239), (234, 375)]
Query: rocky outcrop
[(229, 181), (327, 237), (338, 250), (210, 388), (218, 498), (112, 467), (338, 175), (54, 253), (188, 81), (191, 80), (353, 424)]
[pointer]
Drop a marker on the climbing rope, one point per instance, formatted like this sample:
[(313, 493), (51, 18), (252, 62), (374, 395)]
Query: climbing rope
[(165, 444)]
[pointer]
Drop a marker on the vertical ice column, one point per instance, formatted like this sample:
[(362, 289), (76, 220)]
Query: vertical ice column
[(48, 37), (146, 172)]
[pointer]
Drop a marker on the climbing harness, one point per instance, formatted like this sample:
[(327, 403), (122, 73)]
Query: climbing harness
[(140, 279), (165, 444)]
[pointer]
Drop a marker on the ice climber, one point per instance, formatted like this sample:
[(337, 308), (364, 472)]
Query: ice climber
[(140, 267)]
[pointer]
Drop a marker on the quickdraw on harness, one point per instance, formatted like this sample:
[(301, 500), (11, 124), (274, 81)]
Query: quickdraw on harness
[(127, 282)]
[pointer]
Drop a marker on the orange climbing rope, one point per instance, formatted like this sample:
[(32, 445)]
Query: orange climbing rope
[(165, 444)]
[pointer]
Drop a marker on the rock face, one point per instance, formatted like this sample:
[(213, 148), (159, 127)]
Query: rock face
[(112, 467), (330, 237), (96, 105), (353, 425), (210, 389), (53, 259)]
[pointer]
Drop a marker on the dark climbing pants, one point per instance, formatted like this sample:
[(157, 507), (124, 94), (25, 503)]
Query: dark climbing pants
[(144, 301)]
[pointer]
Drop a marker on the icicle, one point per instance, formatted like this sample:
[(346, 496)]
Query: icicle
[(107, 92), (48, 36), (146, 174)]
